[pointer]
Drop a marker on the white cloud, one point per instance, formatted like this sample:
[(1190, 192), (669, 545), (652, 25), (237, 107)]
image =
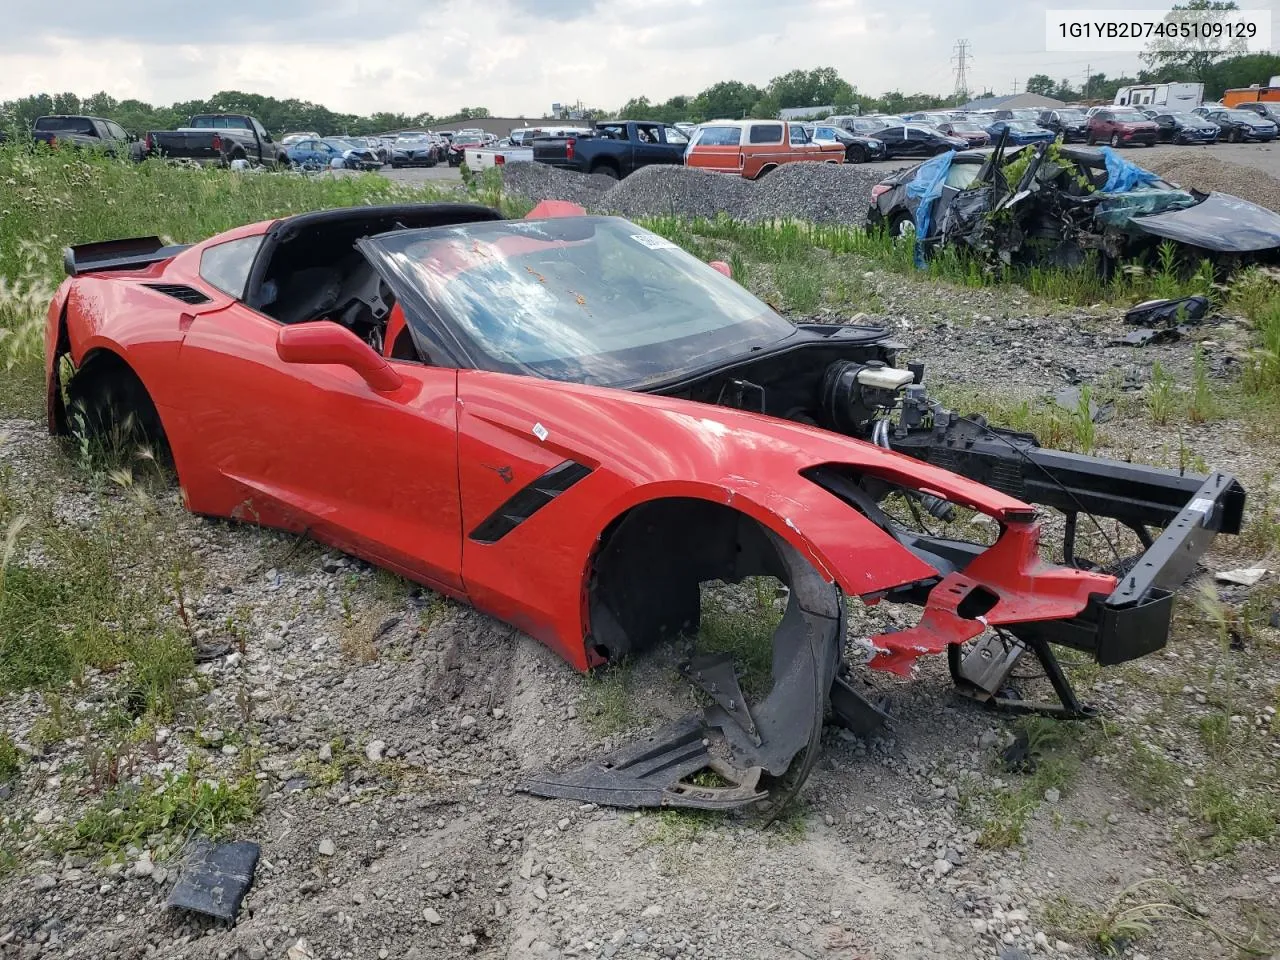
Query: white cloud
[(514, 56)]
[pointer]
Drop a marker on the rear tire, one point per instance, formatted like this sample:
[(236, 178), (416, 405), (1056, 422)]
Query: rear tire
[(902, 226), (606, 170), (856, 154)]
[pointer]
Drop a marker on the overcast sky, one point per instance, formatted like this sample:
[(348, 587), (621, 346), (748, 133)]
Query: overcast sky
[(516, 57)]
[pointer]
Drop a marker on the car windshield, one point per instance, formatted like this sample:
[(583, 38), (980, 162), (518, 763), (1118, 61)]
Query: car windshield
[(585, 299), (1071, 115), (1022, 126), (866, 126), (1024, 114), (1188, 118), (1244, 116), (966, 127), (1128, 116)]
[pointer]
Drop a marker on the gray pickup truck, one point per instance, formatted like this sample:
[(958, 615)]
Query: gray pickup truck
[(88, 133), (218, 138)]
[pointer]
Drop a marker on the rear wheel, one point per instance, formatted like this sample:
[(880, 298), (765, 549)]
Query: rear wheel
[(856, 153), (902, 225), (606, 170)]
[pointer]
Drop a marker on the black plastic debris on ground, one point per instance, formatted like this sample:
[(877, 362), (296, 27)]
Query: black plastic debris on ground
[(1069, 398), (215, 878), (1168, 313), (1144, 336), (1018, 757)]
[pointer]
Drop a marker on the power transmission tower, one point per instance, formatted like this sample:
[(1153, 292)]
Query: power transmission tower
[(961, 60)]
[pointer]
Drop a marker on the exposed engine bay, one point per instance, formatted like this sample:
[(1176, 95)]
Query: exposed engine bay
[(845, 379)]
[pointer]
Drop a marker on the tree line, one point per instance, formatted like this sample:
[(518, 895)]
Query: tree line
[(278, 116), (822, 86)]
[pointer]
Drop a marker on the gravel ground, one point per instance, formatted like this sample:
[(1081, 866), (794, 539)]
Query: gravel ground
[(1192, 167), (407, 841)]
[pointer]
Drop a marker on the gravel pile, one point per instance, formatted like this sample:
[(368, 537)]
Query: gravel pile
[(1195, 168), (820, 192), (538, 181), (663, 190)]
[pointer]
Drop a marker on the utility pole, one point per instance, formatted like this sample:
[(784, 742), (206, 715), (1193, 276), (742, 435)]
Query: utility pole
[(960, 59), (1084, 87), (1015, 86)]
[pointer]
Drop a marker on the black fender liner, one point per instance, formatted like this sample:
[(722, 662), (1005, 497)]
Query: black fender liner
[(740, 742)]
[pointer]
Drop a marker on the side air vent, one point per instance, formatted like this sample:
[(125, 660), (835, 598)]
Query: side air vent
[(528, 500), (179, 291)]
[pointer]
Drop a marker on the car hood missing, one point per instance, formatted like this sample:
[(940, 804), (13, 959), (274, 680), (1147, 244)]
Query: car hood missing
[(1221, 223)]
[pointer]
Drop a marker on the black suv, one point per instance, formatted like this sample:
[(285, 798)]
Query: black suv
[(1070, 124)]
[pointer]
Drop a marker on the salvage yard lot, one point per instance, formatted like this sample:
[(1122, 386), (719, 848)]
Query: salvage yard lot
[(368, 733)]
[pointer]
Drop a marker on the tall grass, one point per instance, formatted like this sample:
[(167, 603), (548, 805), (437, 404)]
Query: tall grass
[(50, 200)]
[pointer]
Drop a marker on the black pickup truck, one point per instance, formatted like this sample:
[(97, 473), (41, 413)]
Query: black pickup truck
[(218, 138), (90, 133), (614, 148)]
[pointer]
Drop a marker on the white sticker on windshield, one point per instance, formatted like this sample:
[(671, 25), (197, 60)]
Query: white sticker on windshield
[(652, 241), (540, 431)]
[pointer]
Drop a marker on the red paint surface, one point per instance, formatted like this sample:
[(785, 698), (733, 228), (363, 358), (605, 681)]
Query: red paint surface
[(400, 471)]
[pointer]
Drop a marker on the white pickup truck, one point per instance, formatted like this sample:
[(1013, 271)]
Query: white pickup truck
[(482, 158), (516, 149)]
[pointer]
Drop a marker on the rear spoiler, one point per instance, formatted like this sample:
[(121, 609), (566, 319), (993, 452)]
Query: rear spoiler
[(132, 254)]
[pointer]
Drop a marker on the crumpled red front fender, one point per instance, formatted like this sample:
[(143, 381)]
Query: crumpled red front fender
[(1007, 584)]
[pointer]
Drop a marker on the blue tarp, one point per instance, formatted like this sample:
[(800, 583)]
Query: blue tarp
[(927, 188), (1123, 176)]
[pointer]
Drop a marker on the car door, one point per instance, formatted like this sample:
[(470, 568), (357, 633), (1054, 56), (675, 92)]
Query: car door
[(717, 148), (765, 147), (1166, 127), (648, 148), (314, 448), (894, 140), (918, 143)]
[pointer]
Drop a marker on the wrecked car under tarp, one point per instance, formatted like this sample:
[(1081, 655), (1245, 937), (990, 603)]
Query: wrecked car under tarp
[(1048, 204)]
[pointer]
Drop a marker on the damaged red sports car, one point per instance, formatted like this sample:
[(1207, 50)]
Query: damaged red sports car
[(571, 423)]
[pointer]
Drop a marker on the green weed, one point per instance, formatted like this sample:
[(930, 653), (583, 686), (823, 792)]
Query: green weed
[(1160, 396), (175, 808), (1235, 813), (743, 630), (11, 758), (607, 702), (1204, 404)]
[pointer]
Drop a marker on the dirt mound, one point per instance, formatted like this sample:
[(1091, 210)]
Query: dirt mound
[(1194, 168)]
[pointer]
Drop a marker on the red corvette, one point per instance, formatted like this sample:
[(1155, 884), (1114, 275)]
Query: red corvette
[(571, 423)]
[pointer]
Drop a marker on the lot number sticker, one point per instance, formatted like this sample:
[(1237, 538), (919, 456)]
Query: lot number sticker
[(652, 241)]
